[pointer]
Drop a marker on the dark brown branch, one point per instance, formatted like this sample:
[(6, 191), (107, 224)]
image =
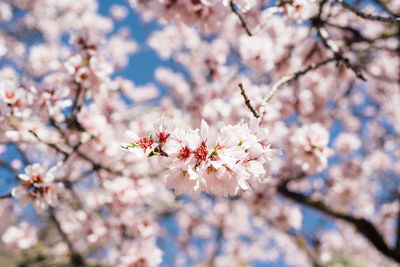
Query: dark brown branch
[(366, 228), (66, 154), (384, 6), (75, 104), (368, 16), (76, 258), (331, 45), (242, 21), (6, 196), (247, 101), (398, 232), (357, 36)]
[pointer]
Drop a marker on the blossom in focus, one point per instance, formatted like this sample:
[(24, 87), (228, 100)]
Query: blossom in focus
[(38, 186), (236, 157)]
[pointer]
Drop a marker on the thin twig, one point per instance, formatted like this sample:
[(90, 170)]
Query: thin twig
[(385, 6), (242, 21), (288, 78), (247, 101), (329, 43), (75, 149), (368, 16)]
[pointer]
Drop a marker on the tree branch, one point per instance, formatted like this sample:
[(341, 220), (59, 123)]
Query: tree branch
[(366, 228), (242, 21), (287, 79), (247, 101), (75, 149), (6, 196), (384, 6), (329, 43), (368, 16), (398, 232), (76, 258)]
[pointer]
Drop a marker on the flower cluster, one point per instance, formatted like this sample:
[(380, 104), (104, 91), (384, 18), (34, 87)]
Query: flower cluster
[(37, 185), (22, 236), (308, 147), (234, 158)]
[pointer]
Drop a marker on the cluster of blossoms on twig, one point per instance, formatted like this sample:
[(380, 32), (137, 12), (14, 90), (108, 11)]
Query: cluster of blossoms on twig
[(236, 157), (38, 186)]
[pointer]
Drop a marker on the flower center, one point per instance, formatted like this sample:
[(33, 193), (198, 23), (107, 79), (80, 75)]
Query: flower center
[(201, 152), (145, 143), (184, 153)]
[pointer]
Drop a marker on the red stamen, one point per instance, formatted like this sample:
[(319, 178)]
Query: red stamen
[(145, 143), (201, 152), (162, 137), (184, 153)]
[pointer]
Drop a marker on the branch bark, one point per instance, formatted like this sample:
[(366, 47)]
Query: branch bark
[(364, 227), (369, 16), (6, 196), (242, 21), (288, 78)]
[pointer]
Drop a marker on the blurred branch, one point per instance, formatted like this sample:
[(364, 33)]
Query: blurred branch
[(364, 227), (287, 79), (384, 6), (75, 104), (75, 149), (301, 241), (76, 258), (6, 196), (357, 36), (398, 232), (368, 16), (242, 21), (329, 43)]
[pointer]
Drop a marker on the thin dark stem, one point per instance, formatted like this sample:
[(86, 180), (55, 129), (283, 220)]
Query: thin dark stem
[(242, 21), (331, 45), (247, 102), (287, 79), (369, 16), (384, 6), (75, 104), (75, 149)]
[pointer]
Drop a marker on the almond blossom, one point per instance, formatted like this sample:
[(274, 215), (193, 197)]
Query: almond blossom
[(22, 236), (203, 96), (236, 158), (308, 147), (38, 186)]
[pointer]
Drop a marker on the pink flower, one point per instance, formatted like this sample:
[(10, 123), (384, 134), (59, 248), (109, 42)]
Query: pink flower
[(308, 147), (218, 162), (22, 236), (345, 143), (38, 186)]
